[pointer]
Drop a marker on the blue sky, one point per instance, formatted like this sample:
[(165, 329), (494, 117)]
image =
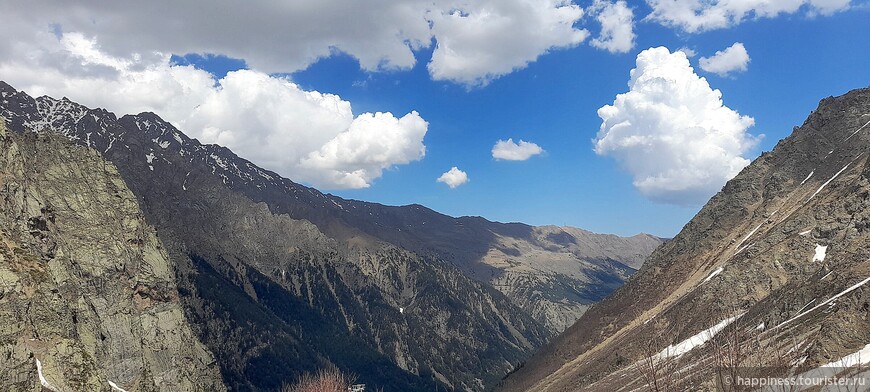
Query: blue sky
[(796, 59)]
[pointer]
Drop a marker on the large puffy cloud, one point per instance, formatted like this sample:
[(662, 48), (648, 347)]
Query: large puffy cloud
[(479, 41), (702, 15), (372, 143), (305, 135), (617, 26), (476, 40), (732, 59), (510, 151), (272, 36), (672, 132)]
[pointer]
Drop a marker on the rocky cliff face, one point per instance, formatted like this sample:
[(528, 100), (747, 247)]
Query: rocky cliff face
[(88, 299), (280, 278), (771, 275)]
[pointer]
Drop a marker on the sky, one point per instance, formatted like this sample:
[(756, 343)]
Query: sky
[(613, 116)]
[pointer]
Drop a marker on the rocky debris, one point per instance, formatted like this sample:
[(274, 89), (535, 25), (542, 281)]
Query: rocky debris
[(782, 252), (87, 293)]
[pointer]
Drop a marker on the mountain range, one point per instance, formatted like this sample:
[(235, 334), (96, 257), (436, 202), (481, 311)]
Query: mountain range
[(258, 279)]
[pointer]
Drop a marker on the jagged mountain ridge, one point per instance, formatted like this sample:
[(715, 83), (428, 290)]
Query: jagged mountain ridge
[(587, 265), (265, 329), (352, 270), (88, 296), (775, 266)]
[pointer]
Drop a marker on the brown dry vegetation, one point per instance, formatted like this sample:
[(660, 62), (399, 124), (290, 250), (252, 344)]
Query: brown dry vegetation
[(330, 379)]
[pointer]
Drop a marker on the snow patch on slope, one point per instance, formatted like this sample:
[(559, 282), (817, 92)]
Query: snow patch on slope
[(150, 158), (45, 384), (808, 177), (713, 274), (829, 301), (858, 358), (834, 177), (115, 387), (829, 370), (856, 132), (821, 251), (750, 234), (697, 340)]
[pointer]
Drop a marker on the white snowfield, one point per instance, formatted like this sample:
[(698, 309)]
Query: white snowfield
[(821, 251), (696, 340)]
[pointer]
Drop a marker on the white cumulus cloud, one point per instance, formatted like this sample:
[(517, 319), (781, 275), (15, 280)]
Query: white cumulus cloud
[(475, 41), (510, 151), (696, 15), (372, 143), (453, 177), (478, 41), (617, 26), (732, 59), (305, 135), (672, 132)]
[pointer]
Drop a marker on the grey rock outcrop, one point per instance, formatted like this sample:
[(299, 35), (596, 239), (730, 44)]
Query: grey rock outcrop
[(88, 299)]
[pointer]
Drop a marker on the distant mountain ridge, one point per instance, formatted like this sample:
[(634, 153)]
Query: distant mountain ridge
[(424, 299), (769, 279)]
